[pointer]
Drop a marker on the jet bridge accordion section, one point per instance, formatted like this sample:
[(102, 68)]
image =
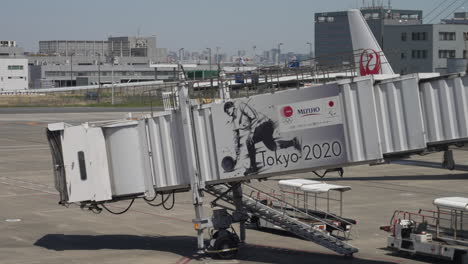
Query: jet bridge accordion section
[(358, 121), (445, 109), (399, 115)]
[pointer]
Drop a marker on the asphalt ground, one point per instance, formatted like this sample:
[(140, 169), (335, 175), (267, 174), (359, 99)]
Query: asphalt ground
[(35, 229)]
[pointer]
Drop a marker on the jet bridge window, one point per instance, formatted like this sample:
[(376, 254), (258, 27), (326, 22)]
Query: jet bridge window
[(82, 163)]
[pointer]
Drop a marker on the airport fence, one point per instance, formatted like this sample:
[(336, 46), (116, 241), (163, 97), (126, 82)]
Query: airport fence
[(130, 95)]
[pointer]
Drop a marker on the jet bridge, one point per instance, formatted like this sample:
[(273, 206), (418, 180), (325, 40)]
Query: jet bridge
[(197, 148)]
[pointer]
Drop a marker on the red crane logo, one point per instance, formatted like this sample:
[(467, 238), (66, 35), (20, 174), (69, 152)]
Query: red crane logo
[(370, 62)]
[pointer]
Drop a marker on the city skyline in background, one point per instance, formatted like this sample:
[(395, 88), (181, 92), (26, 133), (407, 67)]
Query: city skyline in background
[(191, 25)]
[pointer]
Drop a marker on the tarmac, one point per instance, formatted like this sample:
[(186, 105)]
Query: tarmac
[(35, 229)]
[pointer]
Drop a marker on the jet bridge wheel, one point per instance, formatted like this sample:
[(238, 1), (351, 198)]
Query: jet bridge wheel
[(225, 246)]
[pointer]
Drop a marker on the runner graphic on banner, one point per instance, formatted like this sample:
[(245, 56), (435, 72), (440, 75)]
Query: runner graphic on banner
[(251, 127)]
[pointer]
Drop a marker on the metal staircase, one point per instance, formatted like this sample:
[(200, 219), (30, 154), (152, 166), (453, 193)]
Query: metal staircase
[(283, 220)]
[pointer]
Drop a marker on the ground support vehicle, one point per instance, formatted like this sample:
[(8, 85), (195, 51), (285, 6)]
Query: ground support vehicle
[(440, 233)]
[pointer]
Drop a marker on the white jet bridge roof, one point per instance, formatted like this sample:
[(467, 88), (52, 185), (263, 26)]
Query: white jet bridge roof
[(457, 203)]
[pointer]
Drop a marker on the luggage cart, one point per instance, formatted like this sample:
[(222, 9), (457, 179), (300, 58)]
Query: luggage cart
[(304, 196), (440, 233)]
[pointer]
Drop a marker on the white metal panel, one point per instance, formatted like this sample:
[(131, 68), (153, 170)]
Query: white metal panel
[(444, 103), (399, 114), (168, 148), (96, 185), (206, 146), (360, 120), (128, 158)]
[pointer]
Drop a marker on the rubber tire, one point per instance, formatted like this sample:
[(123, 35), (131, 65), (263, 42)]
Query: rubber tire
[(226, 242), (256, 222)]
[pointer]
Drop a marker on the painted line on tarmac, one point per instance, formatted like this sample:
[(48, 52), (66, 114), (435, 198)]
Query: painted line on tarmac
[(28, 182), (22, 149), (27, 188), (183, 260), (21, 195), (29, 123), (37, 124), (23, 146), (233, 261), (23, 140)]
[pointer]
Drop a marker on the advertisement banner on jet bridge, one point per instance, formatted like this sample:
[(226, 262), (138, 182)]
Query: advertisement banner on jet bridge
[(286, 131)]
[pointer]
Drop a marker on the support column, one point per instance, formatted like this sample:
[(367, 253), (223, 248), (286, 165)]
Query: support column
[(240, 213), (196, 182), (449, 161), (199, 218)]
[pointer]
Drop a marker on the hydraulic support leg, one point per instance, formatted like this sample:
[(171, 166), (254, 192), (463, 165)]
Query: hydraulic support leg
[(200, 222), (448, 162), (240, 214)]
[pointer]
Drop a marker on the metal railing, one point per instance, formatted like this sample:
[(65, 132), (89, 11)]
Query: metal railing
[(447, 225), (291, 209)]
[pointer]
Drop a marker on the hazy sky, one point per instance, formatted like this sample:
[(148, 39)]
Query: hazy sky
[(192, 24)]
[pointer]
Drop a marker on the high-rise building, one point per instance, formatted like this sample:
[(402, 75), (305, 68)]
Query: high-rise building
[(425, 48)]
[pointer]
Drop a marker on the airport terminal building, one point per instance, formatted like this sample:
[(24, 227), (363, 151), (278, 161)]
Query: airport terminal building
[(13, 67), (426, 47), (62, 63)]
